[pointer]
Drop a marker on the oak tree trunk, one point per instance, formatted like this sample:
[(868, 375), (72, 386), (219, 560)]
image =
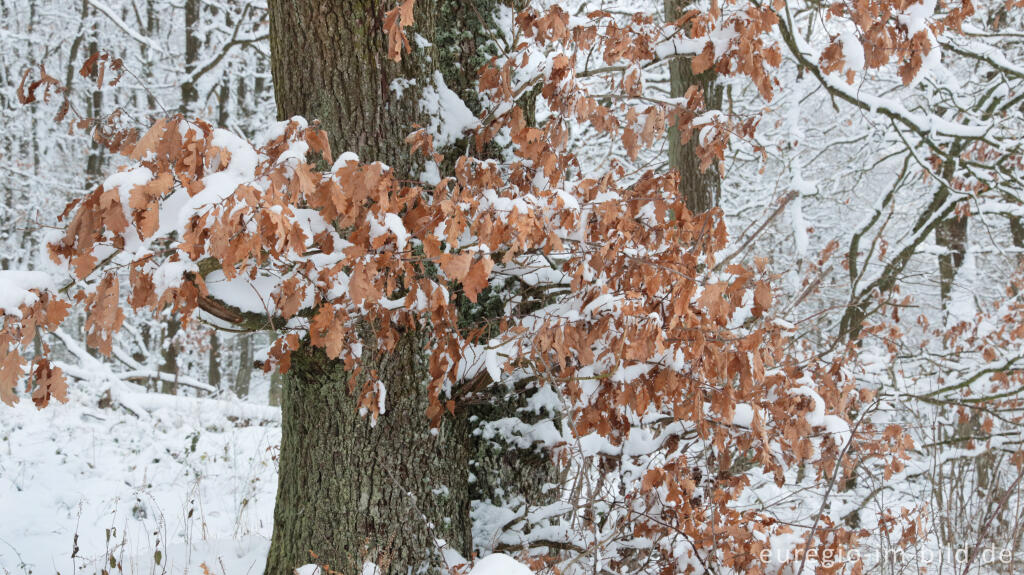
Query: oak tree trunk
[(351, 491), (329, 61)]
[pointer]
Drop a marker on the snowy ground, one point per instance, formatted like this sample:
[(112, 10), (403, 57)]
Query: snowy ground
[(187, 482), (174, 485)]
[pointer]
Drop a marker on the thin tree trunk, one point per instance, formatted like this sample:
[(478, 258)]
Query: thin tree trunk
[(152, 22), (170, 356), (259, 88), (223, 103), (950, 234), (213, 367), (276, 387), (189, 96), (224, 92), (242, 104), (1017, 234), (189, 92), (244, 376), (94, 109), (700, 189), (94, 165)]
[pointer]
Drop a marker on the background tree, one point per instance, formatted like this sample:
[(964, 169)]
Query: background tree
[(699, 181)]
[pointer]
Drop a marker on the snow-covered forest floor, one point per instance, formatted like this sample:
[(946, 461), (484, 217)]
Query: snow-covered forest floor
[(182, 483)]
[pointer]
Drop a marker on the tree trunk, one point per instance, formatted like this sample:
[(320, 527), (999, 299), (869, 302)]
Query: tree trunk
[(189, 92), (152, 23), (245, 360), (170, 356), (94, 166), (242, 103), (700, 190), (1017, 237), (94, 109), (350, 491), (213, 365), (274, 394), (329, 61), (503, 472), (952, 235), (223, 101), (224, 91), (465, 30)]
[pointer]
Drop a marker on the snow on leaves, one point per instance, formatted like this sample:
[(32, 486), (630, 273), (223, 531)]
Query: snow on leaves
[(627, 320), (609, 288), (27, 304), (884, 31)]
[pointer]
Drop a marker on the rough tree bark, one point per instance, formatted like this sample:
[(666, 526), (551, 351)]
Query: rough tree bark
[(349, 491), (700, 189), (353, 492), (329, 62)]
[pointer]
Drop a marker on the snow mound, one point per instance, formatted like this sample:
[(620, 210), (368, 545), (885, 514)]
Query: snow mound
[(500, 564)]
